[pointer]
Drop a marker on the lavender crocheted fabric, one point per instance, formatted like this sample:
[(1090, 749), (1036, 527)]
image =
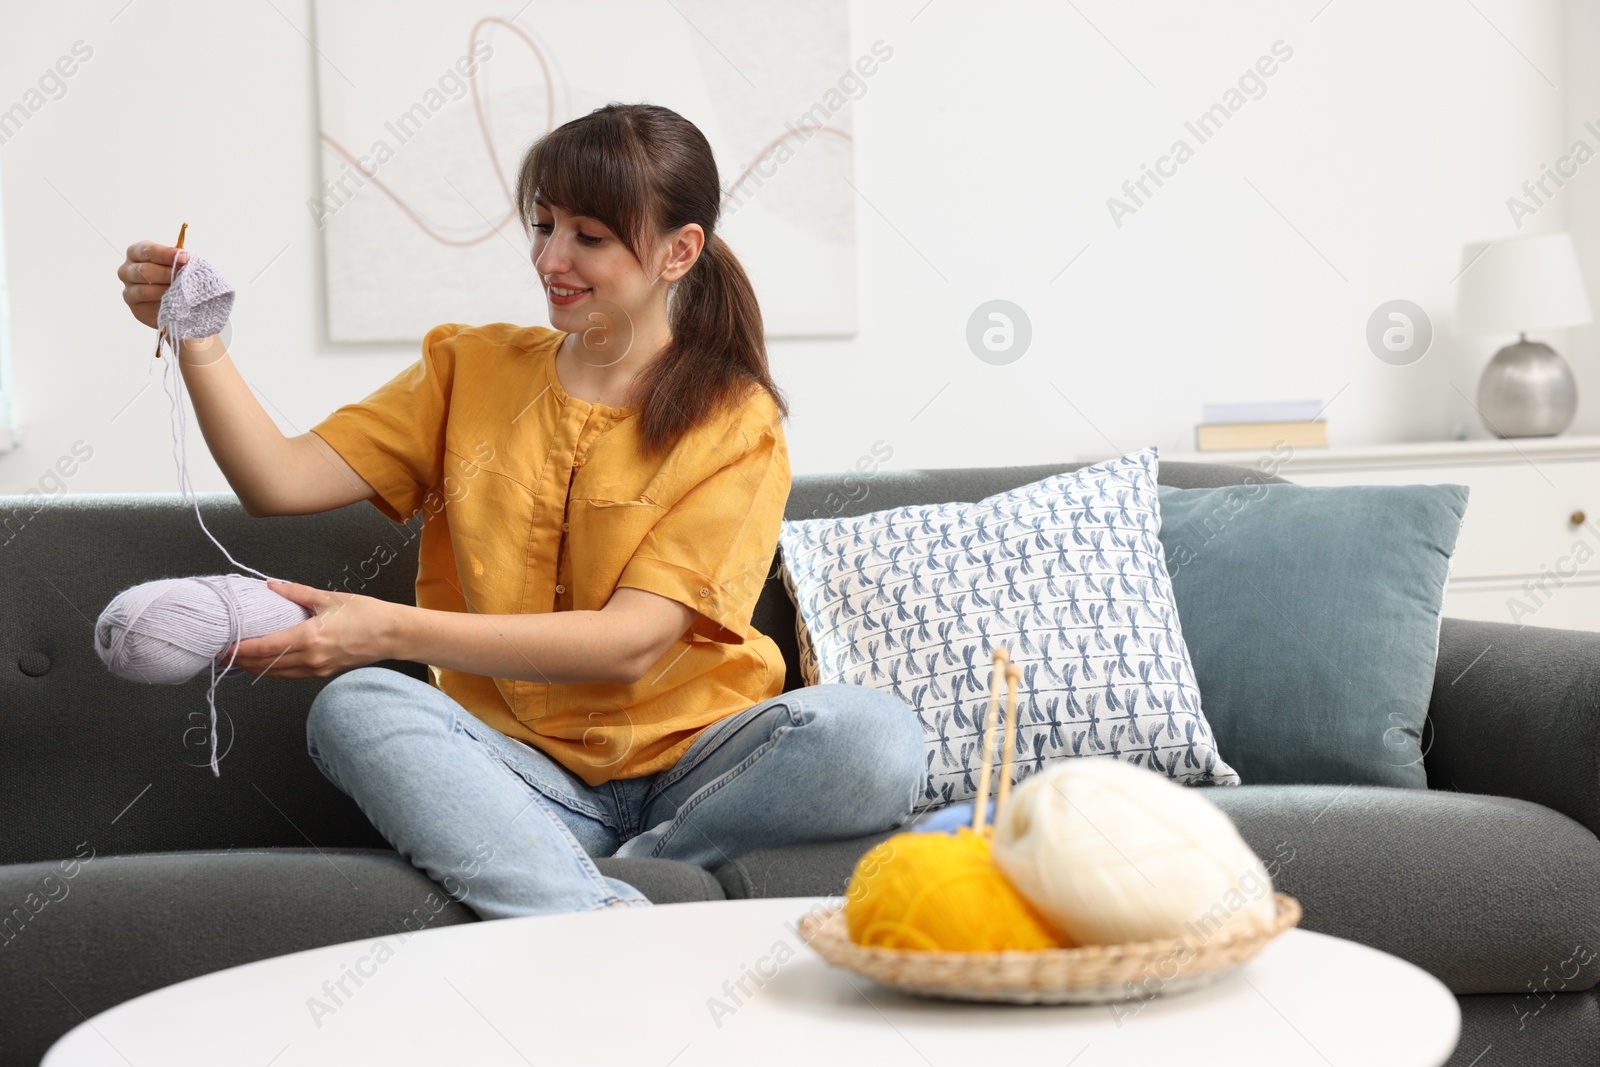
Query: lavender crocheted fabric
[(197, 304)]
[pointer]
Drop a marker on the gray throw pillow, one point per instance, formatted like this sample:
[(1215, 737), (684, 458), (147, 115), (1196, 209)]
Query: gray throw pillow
[(1312, 619)]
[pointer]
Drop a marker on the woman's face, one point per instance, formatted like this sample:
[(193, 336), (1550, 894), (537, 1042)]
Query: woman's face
[(585, 269)]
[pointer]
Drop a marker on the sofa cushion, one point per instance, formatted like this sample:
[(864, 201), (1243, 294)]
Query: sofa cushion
[(1312, 617), (109, 929), (1488, 894), (1393, 868), (1065, 573), (814, 869)]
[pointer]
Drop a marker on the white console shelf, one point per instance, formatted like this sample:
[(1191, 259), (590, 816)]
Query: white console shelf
[(1529, 550)]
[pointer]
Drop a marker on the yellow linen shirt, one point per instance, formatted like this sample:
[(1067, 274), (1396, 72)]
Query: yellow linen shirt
[(537, 501)]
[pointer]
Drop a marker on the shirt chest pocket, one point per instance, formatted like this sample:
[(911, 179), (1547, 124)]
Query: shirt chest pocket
[(599, 478), (601, 537)]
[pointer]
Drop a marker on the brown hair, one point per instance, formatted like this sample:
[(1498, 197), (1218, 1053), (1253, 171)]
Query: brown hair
[(644, 170)]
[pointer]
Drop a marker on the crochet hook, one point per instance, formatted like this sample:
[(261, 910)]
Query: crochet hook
[(162, 332)]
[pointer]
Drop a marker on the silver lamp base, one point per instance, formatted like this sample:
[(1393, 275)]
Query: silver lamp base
[(1527, 390)]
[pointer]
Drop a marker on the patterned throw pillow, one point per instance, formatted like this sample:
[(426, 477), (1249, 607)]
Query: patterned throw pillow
[(1067, 573)]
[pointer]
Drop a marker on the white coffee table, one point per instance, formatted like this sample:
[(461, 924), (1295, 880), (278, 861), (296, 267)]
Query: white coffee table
[(650, 987)]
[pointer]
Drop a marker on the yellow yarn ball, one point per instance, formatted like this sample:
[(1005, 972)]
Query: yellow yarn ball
[(936, 892)]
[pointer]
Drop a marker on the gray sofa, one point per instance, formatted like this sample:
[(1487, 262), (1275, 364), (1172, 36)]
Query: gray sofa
[(1488, 879)]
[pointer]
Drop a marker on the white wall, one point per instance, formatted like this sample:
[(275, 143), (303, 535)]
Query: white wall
[(1582, 195), (989, 144)]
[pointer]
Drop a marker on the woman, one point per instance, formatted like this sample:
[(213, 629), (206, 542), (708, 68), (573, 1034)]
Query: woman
[(602, 507)]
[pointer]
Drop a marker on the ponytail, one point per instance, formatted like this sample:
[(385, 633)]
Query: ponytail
[(716, 354)]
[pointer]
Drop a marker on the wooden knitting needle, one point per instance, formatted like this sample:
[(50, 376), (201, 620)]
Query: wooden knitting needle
[(162, 331), (981, 808), (1013, 676)]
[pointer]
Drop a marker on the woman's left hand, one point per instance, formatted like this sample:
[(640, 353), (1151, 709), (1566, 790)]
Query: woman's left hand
[(346, 630)]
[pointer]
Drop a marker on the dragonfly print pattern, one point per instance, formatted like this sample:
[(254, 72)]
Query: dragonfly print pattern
[(1066, 573)]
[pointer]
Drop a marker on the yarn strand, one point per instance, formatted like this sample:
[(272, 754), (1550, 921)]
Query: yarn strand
[(197, 304), (172, 375)]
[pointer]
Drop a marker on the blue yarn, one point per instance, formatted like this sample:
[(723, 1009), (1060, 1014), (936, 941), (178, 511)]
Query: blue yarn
[(948, 820)]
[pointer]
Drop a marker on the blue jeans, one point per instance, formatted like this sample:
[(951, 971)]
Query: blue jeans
[(509, 831)]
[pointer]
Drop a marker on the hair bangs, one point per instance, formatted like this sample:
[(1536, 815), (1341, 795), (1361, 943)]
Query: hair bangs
[(589, 169)]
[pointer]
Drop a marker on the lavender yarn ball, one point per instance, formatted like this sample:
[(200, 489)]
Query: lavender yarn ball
[(165, 632)]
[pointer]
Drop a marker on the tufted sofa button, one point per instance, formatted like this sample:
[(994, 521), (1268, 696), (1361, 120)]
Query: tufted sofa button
[(34, 663)]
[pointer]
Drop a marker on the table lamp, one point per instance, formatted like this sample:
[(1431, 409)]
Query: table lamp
[(1512, 286)]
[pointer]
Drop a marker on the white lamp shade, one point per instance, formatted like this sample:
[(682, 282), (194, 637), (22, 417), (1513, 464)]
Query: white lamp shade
[(1525, 283)]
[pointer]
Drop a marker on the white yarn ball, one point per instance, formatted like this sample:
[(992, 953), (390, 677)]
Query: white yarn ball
[(1111, 853)]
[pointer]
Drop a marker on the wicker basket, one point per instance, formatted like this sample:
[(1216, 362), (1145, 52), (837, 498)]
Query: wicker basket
[(1090, 974)]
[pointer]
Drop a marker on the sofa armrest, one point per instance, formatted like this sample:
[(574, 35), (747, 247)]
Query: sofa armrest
[(1516, 712)]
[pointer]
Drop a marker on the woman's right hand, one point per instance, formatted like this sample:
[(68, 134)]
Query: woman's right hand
[(145, 276)]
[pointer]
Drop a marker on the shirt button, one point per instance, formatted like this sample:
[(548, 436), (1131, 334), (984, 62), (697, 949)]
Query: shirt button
[(704, 591), (565, 527), (561, 589)]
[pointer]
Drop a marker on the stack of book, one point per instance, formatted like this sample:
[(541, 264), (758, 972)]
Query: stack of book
[(1263, 424)]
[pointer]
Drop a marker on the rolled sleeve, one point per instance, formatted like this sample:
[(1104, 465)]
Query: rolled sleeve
[(713, 548), (394, 438)]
